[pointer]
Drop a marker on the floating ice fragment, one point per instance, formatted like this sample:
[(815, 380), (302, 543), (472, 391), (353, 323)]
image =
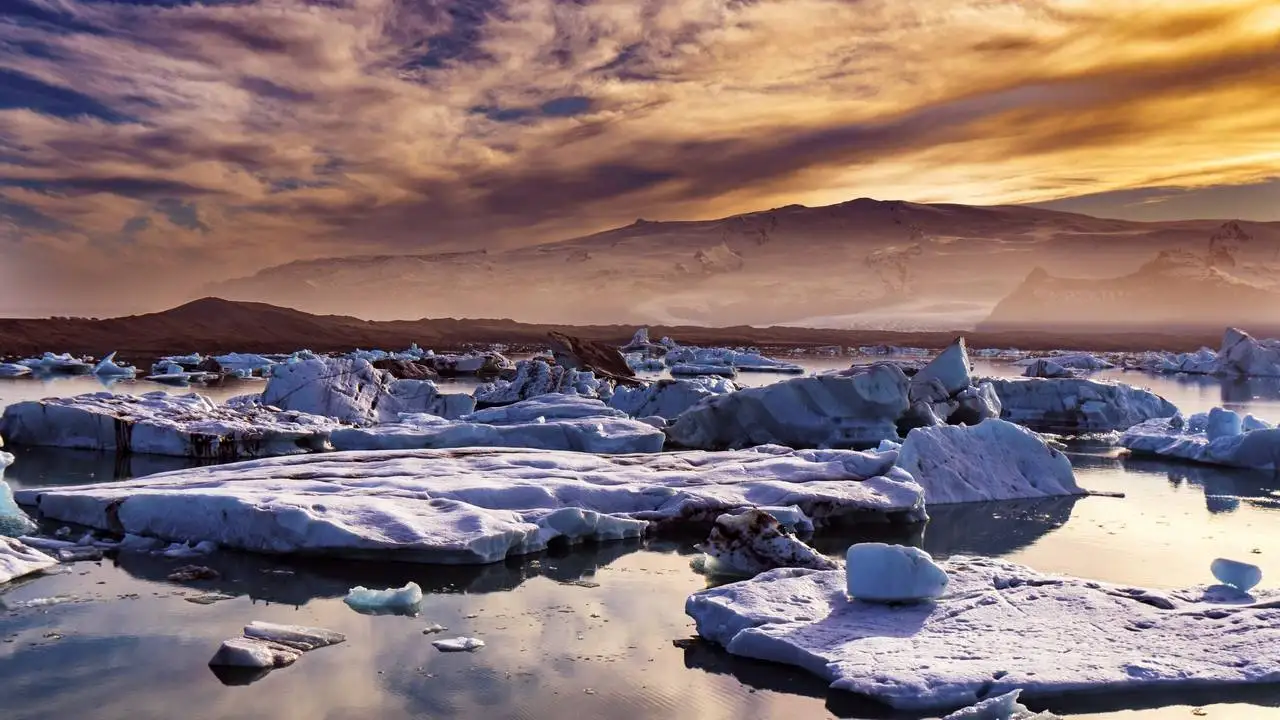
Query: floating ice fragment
[(402, 601), (1242, 576), (433, 628), (876, 572), (459, 644), (298, 637)]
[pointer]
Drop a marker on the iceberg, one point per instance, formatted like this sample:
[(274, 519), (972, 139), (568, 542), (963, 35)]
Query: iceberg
[(8, 370), (1045, 368), (1242, 355), (270, 645), (743, 360), (1241, 576), (880, 573), (537, 377), (994, 460), (392, 601), (999, 627), (668, 398), (458, 644), (184, 426), (478, 363), (1070, 361), (51, 364), (1002, 707), (477, 505), (108, 368), (17, 559), (353, 392), (13, 521), (546, 422), (244, 364), (754, 541), (1077, 404), (831, 411), (1220, 437), (697, 369), (639, 363)]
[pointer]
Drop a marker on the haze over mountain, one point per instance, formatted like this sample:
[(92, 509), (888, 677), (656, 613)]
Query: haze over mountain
[(860, 264)]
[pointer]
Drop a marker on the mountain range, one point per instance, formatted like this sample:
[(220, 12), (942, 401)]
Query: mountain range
[(856, 265)]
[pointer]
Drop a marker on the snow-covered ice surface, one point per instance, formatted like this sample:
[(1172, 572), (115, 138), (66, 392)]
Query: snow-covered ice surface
[(994, 460), (1242, 443), (354, 392), (668, 398), (477, 506), (546, 422), (391, 601), (1077, 404), (18, 559), (180, 425), (1000, 627), (857, 410), (880, 573), (754, 541)]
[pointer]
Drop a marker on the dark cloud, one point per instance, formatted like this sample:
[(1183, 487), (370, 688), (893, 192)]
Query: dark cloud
[(22, 91)]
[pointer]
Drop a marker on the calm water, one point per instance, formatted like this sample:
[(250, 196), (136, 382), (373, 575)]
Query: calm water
[(130, 645)]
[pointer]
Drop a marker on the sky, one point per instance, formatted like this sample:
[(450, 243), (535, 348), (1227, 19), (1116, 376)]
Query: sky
[(148, 146)]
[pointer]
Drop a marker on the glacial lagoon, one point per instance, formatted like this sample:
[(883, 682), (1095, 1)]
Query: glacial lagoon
[(595, 632)]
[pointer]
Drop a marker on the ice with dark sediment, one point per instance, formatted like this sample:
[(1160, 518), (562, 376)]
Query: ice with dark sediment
[(753, 541), (474, 505)]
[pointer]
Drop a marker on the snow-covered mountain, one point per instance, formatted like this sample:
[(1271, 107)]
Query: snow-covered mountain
[(863, 263), (1231, 279)]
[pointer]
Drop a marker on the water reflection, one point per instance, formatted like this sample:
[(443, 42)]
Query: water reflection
[(46, 467)]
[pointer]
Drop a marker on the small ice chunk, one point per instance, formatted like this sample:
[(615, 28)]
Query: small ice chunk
[(183, 550), (78, 553), (753, 542), (298, 637), (1242, 576), (402, 601), (876, 572), (139, 543), (254, 653), (458, 644), (1223, 423), (189, 573), (433, 628), (1001, 707)]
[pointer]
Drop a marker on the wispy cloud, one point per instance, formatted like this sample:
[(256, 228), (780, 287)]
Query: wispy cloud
[(229, 135)]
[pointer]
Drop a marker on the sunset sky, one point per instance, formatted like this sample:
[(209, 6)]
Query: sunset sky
[(147, 145)]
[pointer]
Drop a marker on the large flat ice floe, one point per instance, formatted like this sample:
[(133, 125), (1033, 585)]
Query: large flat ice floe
[(181, 425), (547, 422), (354, 392), (1000, 627), (477, 506), (1077, 404), (994, 460), (1232, 441)]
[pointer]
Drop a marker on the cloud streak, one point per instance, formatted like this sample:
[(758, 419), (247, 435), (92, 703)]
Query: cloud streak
[(137, 138)]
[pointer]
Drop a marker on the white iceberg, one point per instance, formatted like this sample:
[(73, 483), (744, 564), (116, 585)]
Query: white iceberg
[(1070, 361), (547, 422), (994, 460), (179, 425), (108, 368), (535, 378), (18, 559), (244, 364), (299, 637), (697, 369), (668, 398), (474, 505), (880, 573), (271, 645), (639, 363), (830, 411), (354, 392), (1046, 368), (752, 542), (743, 360), (1229, 441), (1002, 707), (458, 644), (1077, 404), (8, 370), (392, 601), (1201, 362), (999, 627), (1242, 355), (63, 364)]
